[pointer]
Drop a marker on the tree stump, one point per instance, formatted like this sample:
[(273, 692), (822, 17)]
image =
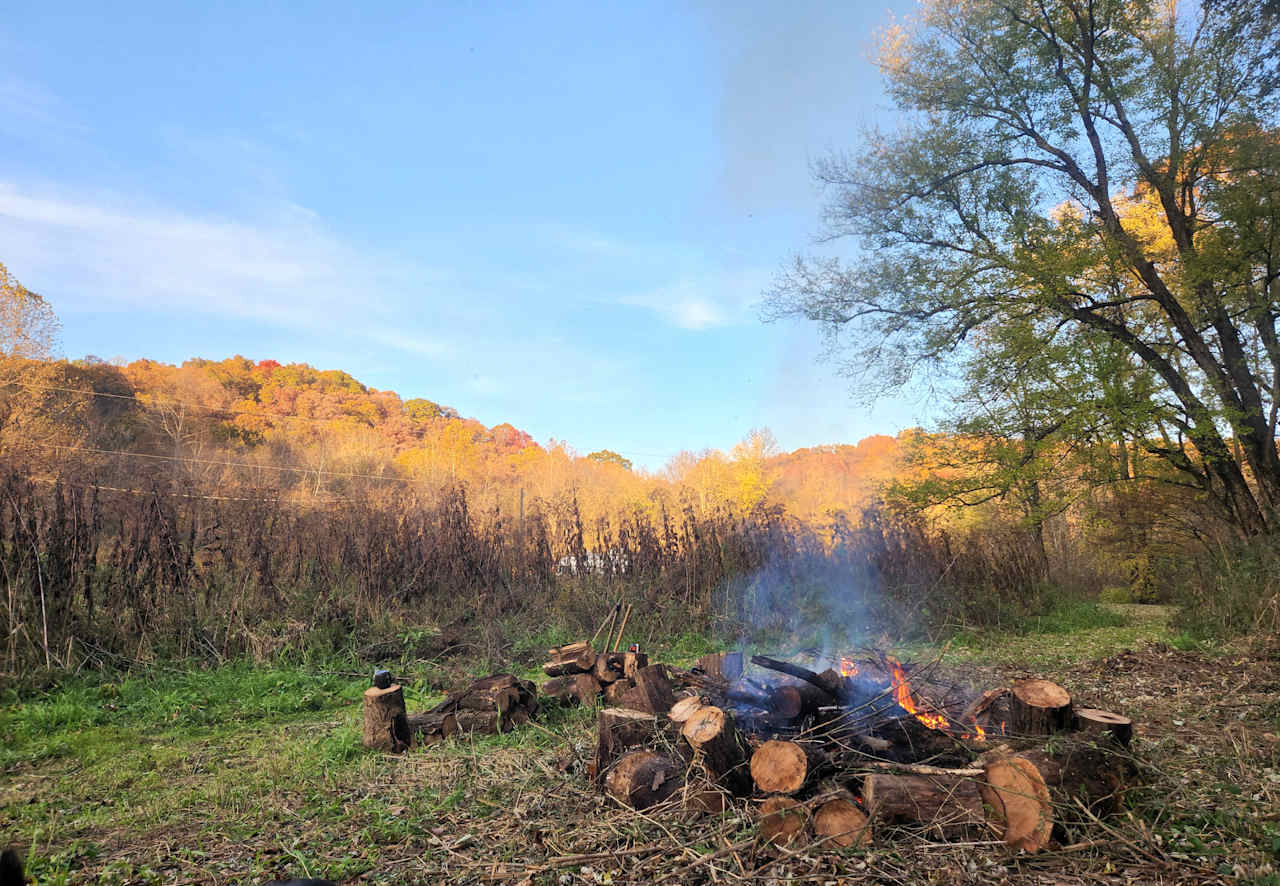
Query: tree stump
[(1104, 724), (779, 767), (949, 803), (641, 779), (783, 822), (652, 692), (1018, 802), (1039, 707), (841, 823), (386, 727), (718, 744)]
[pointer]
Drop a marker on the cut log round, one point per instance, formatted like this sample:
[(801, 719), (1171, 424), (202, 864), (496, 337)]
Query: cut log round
[(842, 823), (643, 778), (1018, 803), (783, 822), (652, 692), (683, 707), (1039, 707), (716, 741), (385, 724), (779, 767), (619, 731), (1093, 722), (949, 803)]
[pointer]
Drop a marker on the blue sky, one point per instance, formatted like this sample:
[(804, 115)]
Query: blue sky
[(559, 215)]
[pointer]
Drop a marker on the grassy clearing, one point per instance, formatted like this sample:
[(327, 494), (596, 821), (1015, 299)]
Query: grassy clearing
[(244, 772)]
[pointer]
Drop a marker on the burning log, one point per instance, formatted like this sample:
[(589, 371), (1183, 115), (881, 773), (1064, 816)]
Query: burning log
[(950, 803), (643, 778), (1017, 800), (781, 767), (573, 689), (784, 822), (576, 658), (717, 743), (1039, 707), (1091, 722), (385, 724), (829, 682), (652, 692), (839, 820), (621, 730)]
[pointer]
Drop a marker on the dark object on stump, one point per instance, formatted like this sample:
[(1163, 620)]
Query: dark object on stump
[(382, 679), (11, 869)]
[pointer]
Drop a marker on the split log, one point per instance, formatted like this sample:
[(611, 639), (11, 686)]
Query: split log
[(652, 692), (840, 822), (576, 658), (717, 742), (1018, 802), (621, 730), (1093, 722), (949, 803), (783, 822), (573, 689), (1039, 707), (385, 724), (643, 778), (683, 708), (609, 667), (780, 767)]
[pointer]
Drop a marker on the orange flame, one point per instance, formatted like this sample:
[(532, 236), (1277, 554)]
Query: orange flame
[(848, 668), (902, 695)]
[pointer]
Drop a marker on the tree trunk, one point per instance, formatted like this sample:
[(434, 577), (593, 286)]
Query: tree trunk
[(841, 822), (1017, 800), (949, 803), (621, 730)]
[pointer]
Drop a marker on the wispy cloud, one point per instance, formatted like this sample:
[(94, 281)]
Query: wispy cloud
[(704, 301), (23, 104)]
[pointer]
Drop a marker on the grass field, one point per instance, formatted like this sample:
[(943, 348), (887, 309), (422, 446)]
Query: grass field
[(246, 771)]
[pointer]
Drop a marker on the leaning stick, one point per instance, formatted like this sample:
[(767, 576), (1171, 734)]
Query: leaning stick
[(626, 613), (608, 620)]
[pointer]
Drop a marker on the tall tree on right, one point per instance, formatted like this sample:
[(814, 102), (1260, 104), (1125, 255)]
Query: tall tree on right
[(1079, 172)]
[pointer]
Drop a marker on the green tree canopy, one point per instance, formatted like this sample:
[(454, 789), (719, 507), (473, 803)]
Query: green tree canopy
[(1090, 191)]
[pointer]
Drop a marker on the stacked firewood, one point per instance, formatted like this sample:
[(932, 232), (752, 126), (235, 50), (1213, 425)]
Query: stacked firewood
[(580, 675), (497, 703), (829, 764)]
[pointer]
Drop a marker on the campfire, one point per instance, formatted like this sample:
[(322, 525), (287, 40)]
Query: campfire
[(833, 749)]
